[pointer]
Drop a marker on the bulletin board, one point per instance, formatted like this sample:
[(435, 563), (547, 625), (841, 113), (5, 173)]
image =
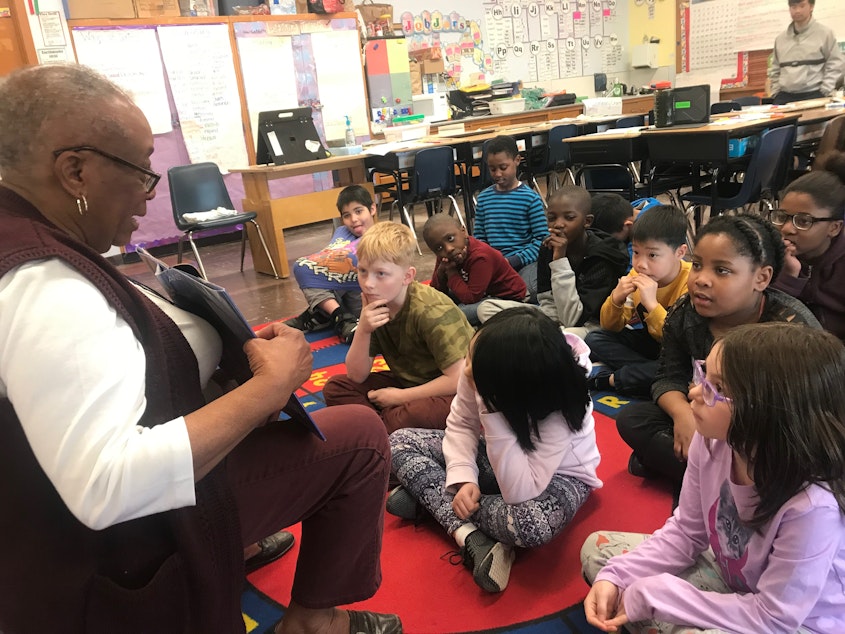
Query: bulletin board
[(529, 40), (541, 41)]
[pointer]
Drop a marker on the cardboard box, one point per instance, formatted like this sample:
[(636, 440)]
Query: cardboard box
[(84, 9), (156, 8), (432, 66)]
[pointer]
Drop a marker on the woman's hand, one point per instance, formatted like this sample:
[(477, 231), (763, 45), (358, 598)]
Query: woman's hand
[(466, 500), (279, 354), (604, 608)]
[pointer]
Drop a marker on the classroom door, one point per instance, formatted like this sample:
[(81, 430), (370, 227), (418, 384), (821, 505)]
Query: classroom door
[(12, 51)]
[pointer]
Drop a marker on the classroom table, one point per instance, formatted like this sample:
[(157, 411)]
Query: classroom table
[(277, 214), (709, 144)]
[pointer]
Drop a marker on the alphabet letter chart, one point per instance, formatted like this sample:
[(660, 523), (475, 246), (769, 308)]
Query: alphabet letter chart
[(540, 40)]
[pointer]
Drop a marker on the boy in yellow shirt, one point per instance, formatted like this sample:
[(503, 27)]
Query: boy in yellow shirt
[(632, 316)]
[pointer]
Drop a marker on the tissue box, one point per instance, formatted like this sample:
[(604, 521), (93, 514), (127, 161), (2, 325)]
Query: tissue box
[(738, 147), (603, 107), (407, 132), (507, 106)]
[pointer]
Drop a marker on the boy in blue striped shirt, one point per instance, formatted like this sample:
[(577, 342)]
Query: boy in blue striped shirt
[(509, 215)]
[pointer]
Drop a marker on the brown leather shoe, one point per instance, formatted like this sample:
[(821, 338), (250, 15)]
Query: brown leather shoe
[(272, 548), (373, 623)]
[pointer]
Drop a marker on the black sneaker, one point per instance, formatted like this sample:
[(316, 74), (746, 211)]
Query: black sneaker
[(637, 468), (402, 504), (344, 325), (309, 321), (600, 382), (489, 560)]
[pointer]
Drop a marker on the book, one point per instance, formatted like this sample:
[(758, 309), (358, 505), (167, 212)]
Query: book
[(190, 292)]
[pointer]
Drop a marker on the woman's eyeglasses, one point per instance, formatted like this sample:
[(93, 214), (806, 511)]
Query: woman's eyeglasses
[(151, 178), (802, 221), (709, 392)]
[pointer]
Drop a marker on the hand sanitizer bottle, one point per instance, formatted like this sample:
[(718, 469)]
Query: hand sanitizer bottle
[(275, 8), (350, 133)]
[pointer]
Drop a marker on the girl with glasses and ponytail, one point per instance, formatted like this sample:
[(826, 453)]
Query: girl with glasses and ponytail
[(810, 220), (758, 541)]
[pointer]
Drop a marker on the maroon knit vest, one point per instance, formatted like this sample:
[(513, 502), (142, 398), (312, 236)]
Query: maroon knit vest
[(179, 571)]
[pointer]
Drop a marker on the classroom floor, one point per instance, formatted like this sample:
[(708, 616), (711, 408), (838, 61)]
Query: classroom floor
[(261, 298)]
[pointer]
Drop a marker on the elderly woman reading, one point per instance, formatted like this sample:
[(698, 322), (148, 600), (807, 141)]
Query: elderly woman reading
[(127, 499)]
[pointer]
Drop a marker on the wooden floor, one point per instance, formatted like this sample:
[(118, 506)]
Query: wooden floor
[(260, 297)]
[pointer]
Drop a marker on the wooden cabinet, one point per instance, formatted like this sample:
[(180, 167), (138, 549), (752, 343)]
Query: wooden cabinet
[(16, 47)]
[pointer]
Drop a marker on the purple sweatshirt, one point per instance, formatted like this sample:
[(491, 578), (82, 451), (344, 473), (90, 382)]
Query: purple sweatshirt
[(791, 574)]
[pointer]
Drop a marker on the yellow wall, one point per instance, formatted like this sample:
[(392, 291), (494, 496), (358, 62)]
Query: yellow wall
[(662, 26)]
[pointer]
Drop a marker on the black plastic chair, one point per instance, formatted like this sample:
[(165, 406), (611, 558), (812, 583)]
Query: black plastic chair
[(631, 121), (721, 107), (483, 180), (766, 171), (552, 159), (432, 180), (200, 187), (750, 100)]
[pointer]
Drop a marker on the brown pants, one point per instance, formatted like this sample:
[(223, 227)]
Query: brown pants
[(282, 474), (429, 413)]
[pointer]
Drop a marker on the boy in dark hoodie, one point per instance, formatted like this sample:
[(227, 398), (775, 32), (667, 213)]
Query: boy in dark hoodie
[(577, 267)]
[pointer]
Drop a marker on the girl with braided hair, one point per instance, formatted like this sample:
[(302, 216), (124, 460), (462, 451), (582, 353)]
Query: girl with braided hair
[(734, 260)]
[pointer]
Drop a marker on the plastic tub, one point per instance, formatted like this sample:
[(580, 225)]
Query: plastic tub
[(507, 106), (407, 132)]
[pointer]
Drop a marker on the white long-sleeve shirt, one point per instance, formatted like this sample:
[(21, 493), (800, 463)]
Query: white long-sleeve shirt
[(521, 475), (75, 374)]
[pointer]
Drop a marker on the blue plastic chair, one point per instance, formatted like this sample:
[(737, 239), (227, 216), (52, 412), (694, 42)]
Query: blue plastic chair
[(432, 180), (766, 173), (200, 187), (553, 159)]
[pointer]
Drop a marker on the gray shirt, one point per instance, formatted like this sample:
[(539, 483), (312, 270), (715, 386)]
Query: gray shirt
[(805, 61)]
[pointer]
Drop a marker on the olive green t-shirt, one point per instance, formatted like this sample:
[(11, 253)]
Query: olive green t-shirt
[(427, 335)]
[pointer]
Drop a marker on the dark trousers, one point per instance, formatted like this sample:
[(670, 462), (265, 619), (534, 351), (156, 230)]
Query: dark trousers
[(429, 413), (650, 433), (788, 97), (282, 474), (631, 354)]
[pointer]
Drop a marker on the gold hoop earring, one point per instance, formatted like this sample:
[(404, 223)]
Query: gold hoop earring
[(82, 205)]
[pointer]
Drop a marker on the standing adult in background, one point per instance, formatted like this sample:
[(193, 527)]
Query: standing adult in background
[(806, 61), (127, 500)]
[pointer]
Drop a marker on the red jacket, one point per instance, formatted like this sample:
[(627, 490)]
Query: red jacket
[(485, 273)]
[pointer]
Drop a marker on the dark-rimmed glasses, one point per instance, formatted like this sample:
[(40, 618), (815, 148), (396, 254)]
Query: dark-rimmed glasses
[(802, 221), (709, 393), (151, 180)]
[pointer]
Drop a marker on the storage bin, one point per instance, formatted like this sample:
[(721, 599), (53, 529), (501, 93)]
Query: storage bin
[(507, 106)]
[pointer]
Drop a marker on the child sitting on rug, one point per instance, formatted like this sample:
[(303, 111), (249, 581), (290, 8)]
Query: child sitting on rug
[(733, 261), (632, 316), (577, 266), (758, 541), (518, 456), (421, 334), (466, 269), (509, 214), (810, 219), (329, 279)]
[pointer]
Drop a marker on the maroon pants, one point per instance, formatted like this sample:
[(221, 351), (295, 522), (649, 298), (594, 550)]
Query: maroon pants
[(282, 474), (429, 413)]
